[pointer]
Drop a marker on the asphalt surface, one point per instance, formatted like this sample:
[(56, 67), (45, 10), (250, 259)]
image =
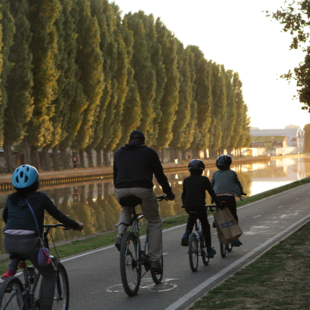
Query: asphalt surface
[(95, 281)]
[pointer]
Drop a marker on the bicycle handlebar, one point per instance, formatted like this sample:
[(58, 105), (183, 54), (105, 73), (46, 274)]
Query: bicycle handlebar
[(162, 197)]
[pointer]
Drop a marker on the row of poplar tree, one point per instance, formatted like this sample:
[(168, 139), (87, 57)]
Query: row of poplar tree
[(77, 75)]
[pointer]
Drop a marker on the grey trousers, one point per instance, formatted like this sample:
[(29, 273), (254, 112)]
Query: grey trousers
[(151, 213), (29, 245)]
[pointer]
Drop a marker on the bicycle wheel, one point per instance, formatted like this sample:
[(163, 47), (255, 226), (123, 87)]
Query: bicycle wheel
[(158, 277), (11, 294), (223, 248), (62, 293), (130, 269), (193, 252), (229, 247), (204, 256)]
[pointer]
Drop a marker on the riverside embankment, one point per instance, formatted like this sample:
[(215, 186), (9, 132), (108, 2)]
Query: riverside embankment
[(100, 173)]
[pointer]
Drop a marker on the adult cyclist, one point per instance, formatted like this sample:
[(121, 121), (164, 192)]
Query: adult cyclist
[(133, 167)]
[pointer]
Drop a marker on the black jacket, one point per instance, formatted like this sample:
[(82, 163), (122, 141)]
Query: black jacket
[(134, 165), (20, 216), (194, 192)]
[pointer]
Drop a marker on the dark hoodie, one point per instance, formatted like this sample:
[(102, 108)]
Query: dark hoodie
[(134, 165), (20, 216)]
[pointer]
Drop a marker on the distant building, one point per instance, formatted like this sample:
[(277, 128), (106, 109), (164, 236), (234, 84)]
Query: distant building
[(289, 140)]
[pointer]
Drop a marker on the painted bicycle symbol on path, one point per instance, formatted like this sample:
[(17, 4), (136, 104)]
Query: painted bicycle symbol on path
[(148, 284)]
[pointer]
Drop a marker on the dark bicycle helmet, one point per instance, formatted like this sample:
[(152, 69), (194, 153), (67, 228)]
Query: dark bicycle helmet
[(24, 176), (223, 162), (196, 165)]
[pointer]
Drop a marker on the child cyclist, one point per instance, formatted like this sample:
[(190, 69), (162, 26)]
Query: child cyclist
[(226, 186), (20, 231), (193, 197)]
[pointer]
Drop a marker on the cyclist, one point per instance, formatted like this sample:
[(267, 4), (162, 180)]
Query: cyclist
[(226, 186), (193, 197), (20, 231), (133, 167)]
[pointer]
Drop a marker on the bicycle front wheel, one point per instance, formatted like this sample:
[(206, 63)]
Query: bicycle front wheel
[(130, 269), (62, 293), (193, 252), (11, 294), (204, 256)]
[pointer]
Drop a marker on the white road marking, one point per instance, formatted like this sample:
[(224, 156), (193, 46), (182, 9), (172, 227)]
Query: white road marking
[(223, 272), (175, 227), (296, 198), (280, 207), (256, 216), (165, 254)]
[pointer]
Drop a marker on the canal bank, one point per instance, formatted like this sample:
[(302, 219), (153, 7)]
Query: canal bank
[(92, 174)]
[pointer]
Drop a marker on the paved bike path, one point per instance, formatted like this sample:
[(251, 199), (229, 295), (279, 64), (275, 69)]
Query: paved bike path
[(95, 278)]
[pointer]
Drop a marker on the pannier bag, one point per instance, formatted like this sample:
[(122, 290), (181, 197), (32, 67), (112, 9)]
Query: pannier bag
[(227, 227)]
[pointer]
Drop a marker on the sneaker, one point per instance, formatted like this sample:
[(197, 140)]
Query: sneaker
[(214, 225), (211, 252), (237, 243), (184, 241), (118, 242), (155, 266)]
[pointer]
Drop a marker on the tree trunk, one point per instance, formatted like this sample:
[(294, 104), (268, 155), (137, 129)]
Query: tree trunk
[(172, 154), (56, 158), (26, 151), (89, 153), (105, 157), (8, 157), (81, 162), (65, 159), (46, 159), (35, 160), (99, 160)]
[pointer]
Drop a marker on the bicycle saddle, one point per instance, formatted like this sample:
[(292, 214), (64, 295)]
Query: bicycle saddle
[(21, 257), (130, 201)]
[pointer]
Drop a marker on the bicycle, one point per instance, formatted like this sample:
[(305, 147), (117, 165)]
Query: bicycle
[(16, 295), (132, 256), (196, 244)]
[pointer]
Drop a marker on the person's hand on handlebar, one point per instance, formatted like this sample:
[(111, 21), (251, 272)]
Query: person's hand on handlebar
[(81, 226), (171, 196)]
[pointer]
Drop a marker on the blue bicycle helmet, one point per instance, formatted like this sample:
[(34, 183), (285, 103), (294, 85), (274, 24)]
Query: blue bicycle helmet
[(24, 176), (223, 162)]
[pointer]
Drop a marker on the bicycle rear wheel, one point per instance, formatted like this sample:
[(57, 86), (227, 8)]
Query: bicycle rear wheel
[(229, 247), (223, 248), (130, 269), (62, 293), (11, 294), (193, 252), (158, 277)]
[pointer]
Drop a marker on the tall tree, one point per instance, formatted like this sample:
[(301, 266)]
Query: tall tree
[(170, 99), (237, 130), (42, 16), (203, 97), (185, 98), (105, 14), (73, 95), (132, 106), (245, 137), (219, 107), (8, 29), (90, 62), (144, 73), (230, 120)]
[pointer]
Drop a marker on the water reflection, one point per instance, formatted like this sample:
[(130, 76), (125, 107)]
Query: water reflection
[(95, 203)]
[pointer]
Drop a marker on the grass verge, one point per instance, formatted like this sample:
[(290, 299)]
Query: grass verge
[(91, 243), (279, 279)]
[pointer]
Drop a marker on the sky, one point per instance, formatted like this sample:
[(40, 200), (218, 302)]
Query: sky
[(238, 35)]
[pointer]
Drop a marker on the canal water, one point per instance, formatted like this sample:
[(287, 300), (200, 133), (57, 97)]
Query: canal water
[(95, 205)]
